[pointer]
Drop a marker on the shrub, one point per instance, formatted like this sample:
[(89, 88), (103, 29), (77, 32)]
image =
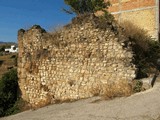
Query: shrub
[(146, 50), (19, 105), (153, 53), (2, 48), (8, 92), (137, 86), (1, 62), (106, 16), (13, 110)]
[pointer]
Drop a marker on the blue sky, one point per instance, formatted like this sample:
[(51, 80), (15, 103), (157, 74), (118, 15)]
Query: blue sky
[(16, 14)]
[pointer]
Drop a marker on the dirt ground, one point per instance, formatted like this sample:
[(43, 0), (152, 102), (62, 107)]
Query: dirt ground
[(140, 106)]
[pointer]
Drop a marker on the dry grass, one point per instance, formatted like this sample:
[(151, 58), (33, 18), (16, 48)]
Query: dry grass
[(136, 34), (116, 89), (7, 62), (96, 90)]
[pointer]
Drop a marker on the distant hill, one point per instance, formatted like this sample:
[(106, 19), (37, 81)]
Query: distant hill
[(1, 42), (7, 62), (10, 43)]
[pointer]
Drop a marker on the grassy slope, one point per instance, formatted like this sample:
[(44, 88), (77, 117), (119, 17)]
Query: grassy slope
[(7, 62)]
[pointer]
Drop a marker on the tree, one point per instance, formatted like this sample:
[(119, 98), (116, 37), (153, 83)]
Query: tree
[(86, 6), (2, 48)]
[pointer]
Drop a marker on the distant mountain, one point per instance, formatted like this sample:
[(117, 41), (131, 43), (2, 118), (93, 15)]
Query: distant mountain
[(1, 42)]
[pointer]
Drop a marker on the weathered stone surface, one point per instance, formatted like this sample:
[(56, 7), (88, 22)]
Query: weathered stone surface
[(70, 63)]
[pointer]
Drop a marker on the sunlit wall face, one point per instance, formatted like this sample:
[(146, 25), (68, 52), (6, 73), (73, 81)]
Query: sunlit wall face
[(143, 13)]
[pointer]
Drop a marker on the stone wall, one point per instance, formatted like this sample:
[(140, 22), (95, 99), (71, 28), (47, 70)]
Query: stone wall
[(143, 13), (70, 62)]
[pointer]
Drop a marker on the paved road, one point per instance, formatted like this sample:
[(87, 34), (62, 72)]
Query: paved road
[(141, 106)]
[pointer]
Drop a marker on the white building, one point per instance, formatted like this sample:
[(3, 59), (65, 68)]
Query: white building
[(13, 49)]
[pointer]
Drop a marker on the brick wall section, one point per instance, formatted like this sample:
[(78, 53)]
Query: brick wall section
[(143, 13), (69, 63), (121, 5)]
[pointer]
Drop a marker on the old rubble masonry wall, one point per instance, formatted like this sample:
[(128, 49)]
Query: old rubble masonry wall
[(71, 62)]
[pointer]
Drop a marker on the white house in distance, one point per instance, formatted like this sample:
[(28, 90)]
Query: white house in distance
[(13, 49)]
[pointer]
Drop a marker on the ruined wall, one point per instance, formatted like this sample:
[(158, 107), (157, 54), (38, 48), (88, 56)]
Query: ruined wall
[(69, 63), (143, 13)]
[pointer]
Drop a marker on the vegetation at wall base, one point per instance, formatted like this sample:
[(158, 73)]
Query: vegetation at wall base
[(8, 93), (146, 49), (137, 86), (146, 60), (153, 53)]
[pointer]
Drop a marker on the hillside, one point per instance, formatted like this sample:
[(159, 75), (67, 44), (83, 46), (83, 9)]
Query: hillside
[(7, 62)]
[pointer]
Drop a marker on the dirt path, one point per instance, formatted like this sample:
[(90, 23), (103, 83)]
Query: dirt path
[(141, 106)]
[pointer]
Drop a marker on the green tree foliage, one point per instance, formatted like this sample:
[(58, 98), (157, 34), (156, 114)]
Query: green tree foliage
[(86, 6), (8, 92), (2, 48)]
